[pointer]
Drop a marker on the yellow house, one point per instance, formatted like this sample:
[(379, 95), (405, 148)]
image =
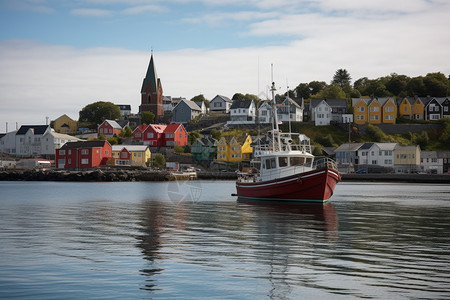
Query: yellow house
[(407, 159), (418, 109), (374, 109), (360, 111), (65, 124), (234, 148), (131, 155), (405, 108), (389, 111)]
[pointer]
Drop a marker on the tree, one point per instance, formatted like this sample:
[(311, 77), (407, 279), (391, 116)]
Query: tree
[(158, 160), (316, 86), (341, 78), (397, 84), (375, 134), (303, 90), (99, 111), (192, 136), (332, 91), (147, 117), (436, 84), (216, 134), (113, 140), (201, 98), (126, 132), (416, 87)]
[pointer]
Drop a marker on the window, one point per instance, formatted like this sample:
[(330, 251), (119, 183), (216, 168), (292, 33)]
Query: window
[(296, 161), (62, 152), (138, 134), (374, 162), (361, 108), (169, 135), (69, 152), (270, 163), (123, 155), (374, 108), (389, 109), (149, 135), (69, 161), (170, 143), (282, 161), (85, 161)]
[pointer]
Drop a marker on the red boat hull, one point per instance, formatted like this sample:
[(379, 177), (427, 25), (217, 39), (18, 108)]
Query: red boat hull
[(313, 186)]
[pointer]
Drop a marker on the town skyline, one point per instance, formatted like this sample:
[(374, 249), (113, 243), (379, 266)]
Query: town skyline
[(57, 57)]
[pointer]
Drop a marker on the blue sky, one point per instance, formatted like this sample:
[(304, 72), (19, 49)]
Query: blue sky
[(56, 56)]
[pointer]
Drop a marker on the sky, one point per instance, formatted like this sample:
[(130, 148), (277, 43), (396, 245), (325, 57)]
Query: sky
[(57, 56)]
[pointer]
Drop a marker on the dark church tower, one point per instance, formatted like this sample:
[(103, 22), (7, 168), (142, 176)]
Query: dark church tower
[(151, 92)]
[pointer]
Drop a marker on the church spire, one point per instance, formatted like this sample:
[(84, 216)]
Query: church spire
[(151, 91)]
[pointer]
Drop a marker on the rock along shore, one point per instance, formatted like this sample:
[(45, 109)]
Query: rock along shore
[(109, 175)]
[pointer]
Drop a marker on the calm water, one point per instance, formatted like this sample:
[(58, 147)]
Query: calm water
[(195, 241)]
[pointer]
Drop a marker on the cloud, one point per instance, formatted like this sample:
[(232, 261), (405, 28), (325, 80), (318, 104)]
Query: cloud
[(91, 12), (134, 10)]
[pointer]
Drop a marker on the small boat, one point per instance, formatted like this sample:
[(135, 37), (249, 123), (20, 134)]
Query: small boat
[(284, 169)]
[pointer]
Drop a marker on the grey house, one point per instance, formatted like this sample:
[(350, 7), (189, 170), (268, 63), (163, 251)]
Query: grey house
[(185, 111)]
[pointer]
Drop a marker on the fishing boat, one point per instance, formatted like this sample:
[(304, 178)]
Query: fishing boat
[(284, 169)]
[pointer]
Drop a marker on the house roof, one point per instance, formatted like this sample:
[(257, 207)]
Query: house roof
[(291, 102), (191, 104), (130, 148), (428, 154), (205, 140), (172, 128), (349, 147), (330, 102), (140, 127), (64, 136), (443, 154), (241, 104), (386, 146), (150, 78), (123, 123), (159, 128), (124, 106), (84, 144), (366, 146), (113, 124), (224, 98), (200, 103), (38, 129)]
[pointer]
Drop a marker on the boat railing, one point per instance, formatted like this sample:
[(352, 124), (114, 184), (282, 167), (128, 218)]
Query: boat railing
[(322, 162)]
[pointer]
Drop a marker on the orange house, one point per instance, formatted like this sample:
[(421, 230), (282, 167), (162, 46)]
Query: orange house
[(405, 108), (374, 109), (418, 109), (359, 110), (389, 111)]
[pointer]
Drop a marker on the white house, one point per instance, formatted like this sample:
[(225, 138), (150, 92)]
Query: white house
[(289, 110), (34, 141), (220, 104), (167, 103), (265, 113), (242, 112), (202, 106), (376, 154), (321, 113)]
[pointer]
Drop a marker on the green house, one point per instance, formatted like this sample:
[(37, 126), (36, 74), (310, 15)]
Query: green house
[(204, 149)]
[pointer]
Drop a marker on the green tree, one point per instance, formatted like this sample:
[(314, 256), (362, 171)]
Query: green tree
[(192, 136), (126, 132), (375, 134), (201, 98), (416, 87), (216, 134), (147, 117), (158, 160), (303, 90), (332, 91), (316, 86), (436, 84), (99, 111), (421, 139), (113, 140), (342, 78), (397, 84)]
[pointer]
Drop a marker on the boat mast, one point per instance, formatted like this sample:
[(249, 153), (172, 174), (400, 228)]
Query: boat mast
[(275, 115)]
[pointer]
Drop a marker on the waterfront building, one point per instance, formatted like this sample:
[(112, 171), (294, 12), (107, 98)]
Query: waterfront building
[(234, 148), (64, 124), (185, 111), (407, 159), (220, 104), (109, 128), (204, 149), (242, 112), (83, 154), (131, 155)]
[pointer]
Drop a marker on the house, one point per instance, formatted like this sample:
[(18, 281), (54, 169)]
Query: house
[(347, 156), (407, 159), (64, 124), (359, 111), (125, 109), (202, 106), (174, 134), (445, 103), (336, 108), (265, 113), (445, 156), (28, 140), (8, 143), (321, 112), (430, 163), (374, 156), (234, 148), (290, 110), (220, 104), (204, 149), (51, 141), (433, 109), (151, 135), (242, 112), (109, 128), (131, 155), (83, 154), (185, 111), (374, 111), (167, 104), (388, 110)]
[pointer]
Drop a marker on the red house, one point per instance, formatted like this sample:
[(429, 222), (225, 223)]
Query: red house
[(109, 128), (138, 132), (83, 154), (151, 135), (175, 134)]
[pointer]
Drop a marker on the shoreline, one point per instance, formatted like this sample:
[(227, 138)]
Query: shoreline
[(112, 175)]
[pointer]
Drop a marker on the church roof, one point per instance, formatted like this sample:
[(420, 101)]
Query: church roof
[(150, 78)]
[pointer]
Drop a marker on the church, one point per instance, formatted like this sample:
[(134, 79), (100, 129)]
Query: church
[(152, 92)]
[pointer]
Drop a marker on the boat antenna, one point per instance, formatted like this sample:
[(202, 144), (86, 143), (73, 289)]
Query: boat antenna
[(289, 105), (275, 114)]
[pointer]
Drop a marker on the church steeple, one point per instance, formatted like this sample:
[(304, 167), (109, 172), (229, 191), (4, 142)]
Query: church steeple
[(151, 91)]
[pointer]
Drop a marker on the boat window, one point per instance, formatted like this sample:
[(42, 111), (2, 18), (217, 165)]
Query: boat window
[(270, 163), (309, 161), (297, 161), (282, 161)]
